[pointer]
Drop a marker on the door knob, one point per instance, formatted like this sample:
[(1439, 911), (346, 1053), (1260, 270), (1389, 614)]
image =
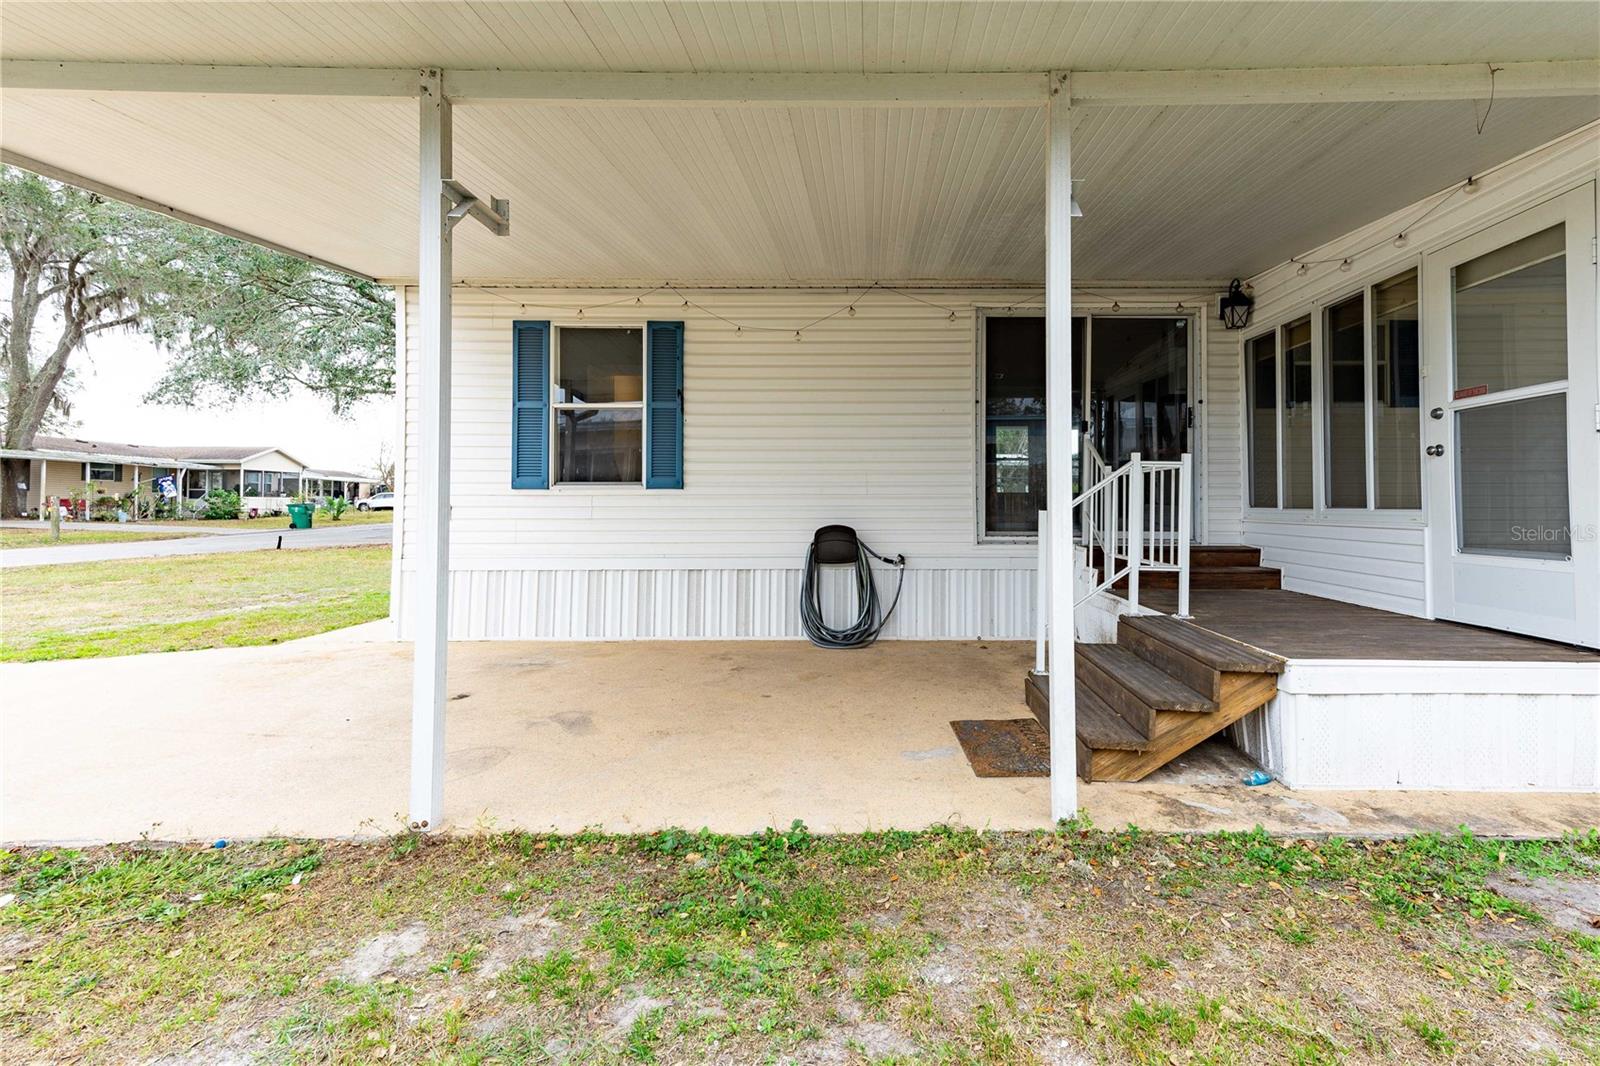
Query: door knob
[(1436, 449), (1436, 414)]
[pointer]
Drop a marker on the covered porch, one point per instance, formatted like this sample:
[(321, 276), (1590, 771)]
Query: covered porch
[(820, 247)]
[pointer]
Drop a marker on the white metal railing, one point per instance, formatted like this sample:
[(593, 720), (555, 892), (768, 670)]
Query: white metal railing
[(1139, 516)]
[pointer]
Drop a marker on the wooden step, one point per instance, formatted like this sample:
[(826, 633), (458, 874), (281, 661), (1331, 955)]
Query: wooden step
[(1209, 577), (1100, 727), (1135, 689), (1224, 555), (1213, 650), (1097, 724)]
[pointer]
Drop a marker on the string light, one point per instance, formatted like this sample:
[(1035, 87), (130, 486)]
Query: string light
[(1346, 261)]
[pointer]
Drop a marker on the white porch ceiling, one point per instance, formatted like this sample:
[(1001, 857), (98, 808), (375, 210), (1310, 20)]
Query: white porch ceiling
[(774, 194)]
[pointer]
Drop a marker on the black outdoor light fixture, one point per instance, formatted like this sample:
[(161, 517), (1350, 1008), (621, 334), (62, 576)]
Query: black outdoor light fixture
[(1234, 308)]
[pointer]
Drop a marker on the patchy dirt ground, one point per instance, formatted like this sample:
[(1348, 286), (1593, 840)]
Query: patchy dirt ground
[(944, 946)]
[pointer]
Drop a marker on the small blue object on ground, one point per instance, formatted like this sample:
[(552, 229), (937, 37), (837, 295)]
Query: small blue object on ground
[(220, 844), (1257, 777)]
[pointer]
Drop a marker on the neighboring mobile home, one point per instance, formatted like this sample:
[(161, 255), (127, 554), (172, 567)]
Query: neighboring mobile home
[(954, 275), (71, 468)]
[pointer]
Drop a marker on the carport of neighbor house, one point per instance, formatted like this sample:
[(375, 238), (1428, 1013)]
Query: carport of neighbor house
[(734, 736)]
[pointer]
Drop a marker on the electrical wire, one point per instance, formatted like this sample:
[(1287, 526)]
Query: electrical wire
[(867, 625)]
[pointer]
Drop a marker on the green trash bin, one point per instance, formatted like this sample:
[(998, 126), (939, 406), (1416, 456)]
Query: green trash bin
[(299, 516)]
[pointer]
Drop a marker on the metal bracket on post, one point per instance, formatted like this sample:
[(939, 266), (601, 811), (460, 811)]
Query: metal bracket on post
[(495, 215)]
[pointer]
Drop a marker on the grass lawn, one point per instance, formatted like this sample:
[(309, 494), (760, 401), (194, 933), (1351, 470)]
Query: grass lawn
[(129, 606), (40, 538), (352, 517), (947, 946)]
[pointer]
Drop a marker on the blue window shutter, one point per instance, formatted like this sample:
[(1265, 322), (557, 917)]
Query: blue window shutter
[(663, 417), (530, 405)]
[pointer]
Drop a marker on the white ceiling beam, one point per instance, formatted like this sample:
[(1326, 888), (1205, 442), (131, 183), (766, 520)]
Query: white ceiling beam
[(746, 90), (112, 192), (57, 77), (1330, 85), (1458, 81)]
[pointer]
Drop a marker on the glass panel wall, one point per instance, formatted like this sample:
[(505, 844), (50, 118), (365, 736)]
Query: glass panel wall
[(1344, 390), (1397, 391), (1261, 379), (1297, 424)]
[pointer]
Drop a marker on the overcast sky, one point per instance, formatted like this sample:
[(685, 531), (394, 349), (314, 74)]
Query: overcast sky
[(119, 368)]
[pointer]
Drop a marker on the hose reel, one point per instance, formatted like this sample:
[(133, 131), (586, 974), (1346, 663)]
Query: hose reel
[(839, 546)]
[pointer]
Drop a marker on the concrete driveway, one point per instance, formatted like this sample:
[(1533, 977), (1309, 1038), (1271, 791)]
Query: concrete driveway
[(312, 738), (330, 535)]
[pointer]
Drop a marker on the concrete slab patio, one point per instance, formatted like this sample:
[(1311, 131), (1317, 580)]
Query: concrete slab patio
[(311, 738)]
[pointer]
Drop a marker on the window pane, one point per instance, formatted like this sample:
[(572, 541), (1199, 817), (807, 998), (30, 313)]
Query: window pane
[(1511, 316), (1297, 414), (1262, 381), (1139, 387), (601, 366), (1014, 374), (1513, 477), (1014, 440), (1397, 414), (1345, 395), (1014, 475), (604, 445)]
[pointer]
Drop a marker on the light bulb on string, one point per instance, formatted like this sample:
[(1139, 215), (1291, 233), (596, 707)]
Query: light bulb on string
[(1401, 240), (1344, 267), (1302, 270)]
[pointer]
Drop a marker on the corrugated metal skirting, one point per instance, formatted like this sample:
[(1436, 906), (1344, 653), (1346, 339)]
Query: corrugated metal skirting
[(722, 604)]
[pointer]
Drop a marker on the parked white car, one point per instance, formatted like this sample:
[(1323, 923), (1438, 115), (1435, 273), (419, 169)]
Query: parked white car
[(378, 501)]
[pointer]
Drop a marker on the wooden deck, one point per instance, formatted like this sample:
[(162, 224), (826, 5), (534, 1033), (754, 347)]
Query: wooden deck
[(1297, 626)]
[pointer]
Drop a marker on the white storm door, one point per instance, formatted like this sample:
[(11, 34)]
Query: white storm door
[(1512, 465)]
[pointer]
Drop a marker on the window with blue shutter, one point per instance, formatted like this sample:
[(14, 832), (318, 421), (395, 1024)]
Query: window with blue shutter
[(664, 405), (530, 405)]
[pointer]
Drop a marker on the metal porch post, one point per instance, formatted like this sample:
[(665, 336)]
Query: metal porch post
[(1058, 446), (433, 469)]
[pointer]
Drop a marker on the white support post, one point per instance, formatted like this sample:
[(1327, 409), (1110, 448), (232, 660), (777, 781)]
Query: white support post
[(1185, 529), (1041, 664), (44, 486), (1135, 526), (136, 500), (1058, 446), (433, 453)]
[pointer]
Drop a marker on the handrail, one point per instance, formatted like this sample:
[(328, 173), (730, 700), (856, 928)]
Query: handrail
[(1160, 494)]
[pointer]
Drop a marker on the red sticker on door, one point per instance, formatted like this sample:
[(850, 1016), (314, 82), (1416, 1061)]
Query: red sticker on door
[(1467, 394)]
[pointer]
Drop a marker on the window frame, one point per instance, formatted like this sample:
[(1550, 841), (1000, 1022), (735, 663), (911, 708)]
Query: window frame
[(555, 483), (89, 469), (1317, 308), (1196, 360)]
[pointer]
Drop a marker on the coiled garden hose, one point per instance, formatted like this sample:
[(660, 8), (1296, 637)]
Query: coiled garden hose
[(867, 625)]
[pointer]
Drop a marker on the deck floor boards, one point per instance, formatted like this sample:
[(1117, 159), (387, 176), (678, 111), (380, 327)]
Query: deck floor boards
[(1297, 626)]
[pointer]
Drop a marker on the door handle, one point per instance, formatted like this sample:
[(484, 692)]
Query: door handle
[(1436, 449), (1436, 414)]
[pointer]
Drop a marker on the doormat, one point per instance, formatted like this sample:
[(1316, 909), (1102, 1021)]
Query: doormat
[(1008, 747)]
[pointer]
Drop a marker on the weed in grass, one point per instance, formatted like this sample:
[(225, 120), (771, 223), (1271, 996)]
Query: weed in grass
[(1577, 1000), (1436, 1039)]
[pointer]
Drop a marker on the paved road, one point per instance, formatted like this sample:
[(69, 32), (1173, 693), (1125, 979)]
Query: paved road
[(325, 536)]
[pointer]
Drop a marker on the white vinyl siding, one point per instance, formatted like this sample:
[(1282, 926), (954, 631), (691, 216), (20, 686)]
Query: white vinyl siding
[(869, 419)]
